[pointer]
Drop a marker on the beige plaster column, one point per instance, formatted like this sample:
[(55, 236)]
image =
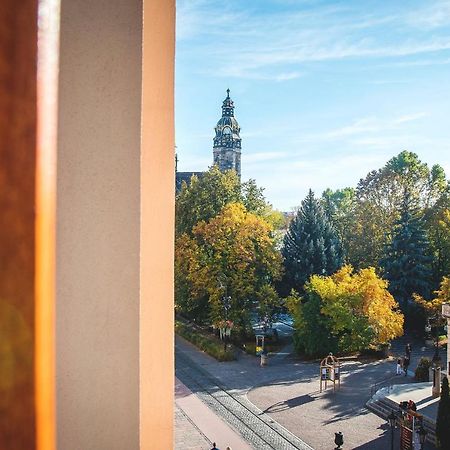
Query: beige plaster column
[(114, 306)]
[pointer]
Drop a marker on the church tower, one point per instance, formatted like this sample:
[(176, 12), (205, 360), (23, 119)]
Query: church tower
[(227, 142)]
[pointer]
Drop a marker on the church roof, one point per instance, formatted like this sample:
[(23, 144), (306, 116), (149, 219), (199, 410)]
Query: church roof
[(185, 176), (227, 127), (228, 106)]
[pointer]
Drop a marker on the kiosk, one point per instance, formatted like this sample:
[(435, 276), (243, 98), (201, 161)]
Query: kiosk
[(330, 370)]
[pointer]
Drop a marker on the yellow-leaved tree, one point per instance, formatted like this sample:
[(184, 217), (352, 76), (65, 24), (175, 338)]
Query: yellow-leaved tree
[(433, 307), (345, 312), (234, 256)]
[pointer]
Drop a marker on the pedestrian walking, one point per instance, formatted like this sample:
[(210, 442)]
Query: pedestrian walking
[(406, 365), (214, 446), (408, 350), (399, 366)]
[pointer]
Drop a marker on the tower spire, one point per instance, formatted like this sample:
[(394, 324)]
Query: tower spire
[(227, 142)]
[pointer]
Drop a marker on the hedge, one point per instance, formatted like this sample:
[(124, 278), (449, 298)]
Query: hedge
[(206, 343)]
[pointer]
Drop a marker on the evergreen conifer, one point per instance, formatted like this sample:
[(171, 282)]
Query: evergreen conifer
[(407, 261), (311, 246)]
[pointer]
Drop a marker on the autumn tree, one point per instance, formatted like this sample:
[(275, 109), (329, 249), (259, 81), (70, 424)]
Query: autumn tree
[(378, 201), (232, 254), (433, 307), (345, 312), (311, 245), (438, 230)]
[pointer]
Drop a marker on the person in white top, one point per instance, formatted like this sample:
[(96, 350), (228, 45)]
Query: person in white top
[(399, 366)]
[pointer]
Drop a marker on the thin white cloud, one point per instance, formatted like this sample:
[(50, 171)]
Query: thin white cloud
[(410, 117), (241, 43), (263, 157), (365, 126), (421, 63), (434, 15)]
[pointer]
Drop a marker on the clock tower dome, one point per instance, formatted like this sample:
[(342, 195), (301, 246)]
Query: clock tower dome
[(227, 142)]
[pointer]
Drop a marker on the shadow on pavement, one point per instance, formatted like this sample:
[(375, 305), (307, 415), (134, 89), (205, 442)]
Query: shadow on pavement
[(291, 403)]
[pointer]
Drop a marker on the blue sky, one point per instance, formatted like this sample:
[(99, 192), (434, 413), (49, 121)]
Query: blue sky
[(325, 91)]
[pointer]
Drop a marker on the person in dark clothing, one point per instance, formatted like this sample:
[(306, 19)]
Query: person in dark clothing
[(406, 365), (214, 446), (408, 350)]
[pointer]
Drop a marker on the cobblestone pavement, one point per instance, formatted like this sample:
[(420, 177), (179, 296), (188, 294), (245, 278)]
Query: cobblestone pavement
[(187, 435), (287, 391), (256, 427), (298, 405)]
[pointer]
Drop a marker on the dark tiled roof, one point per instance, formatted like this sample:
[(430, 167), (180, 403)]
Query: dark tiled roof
[(185, 176)]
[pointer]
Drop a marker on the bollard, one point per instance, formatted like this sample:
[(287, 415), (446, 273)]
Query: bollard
[(436, 389), (263, 359)]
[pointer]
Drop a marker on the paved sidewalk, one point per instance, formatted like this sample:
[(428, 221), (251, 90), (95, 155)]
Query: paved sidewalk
[(197, 426), (187, 435), (420, 394), (287, 390), (419, 350)]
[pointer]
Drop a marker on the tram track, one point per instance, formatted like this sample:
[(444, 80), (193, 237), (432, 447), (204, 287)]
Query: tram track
[(255, 426)]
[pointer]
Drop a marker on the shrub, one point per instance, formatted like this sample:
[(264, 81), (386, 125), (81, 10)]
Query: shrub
[(373, 353), (423, 369), (206, 343)]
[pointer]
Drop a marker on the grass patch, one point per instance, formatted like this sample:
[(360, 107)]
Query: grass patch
[(205, 342)]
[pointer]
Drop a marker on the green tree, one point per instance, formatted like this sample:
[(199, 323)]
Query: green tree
[(310, 246), (268, 303), (443, 418), (312, 335), (339, 207), (204, 198), (407, 262)]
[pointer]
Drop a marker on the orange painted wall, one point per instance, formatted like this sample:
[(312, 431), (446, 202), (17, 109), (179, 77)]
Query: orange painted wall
[(157, 227), (47, 101)]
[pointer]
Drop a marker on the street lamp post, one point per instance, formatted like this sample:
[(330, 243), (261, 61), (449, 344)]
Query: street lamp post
[(226, 303), (422, 436), (436, 357), (392, 418)]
